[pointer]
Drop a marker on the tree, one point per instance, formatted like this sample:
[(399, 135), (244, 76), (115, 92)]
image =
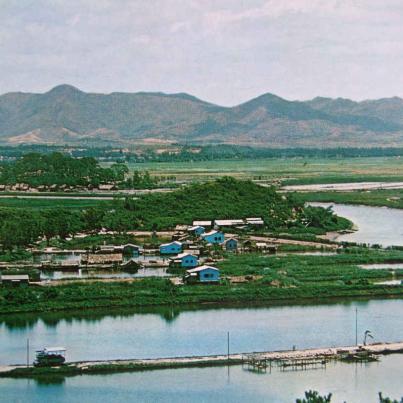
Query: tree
[(388, 400), (312, 396)]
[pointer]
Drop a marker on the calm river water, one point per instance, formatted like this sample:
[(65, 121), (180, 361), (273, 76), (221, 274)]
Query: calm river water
[(170, 332), (376, 225)]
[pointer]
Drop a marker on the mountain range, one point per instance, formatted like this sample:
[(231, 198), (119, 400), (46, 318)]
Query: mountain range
[(66, 115)]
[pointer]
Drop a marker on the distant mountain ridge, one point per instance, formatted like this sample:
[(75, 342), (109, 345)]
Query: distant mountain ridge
[(66, 115)]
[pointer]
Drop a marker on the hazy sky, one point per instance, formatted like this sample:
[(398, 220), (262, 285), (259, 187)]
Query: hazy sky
[(223, 51)]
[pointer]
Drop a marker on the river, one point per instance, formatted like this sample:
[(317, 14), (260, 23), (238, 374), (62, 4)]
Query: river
[(376, 225), (167, 332), (352, 383)]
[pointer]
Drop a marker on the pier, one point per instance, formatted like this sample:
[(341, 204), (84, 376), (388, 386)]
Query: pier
[(259, 361)]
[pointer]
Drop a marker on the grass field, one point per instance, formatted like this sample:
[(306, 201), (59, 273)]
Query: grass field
[(389, 198), (289, 170), (39, 204), (280, 278)]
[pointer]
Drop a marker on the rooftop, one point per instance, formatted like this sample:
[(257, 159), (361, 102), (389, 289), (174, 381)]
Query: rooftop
[(170, 243), (202, 223), (201, 268), (15, 277), (210, 233)]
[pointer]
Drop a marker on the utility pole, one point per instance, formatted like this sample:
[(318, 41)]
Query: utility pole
[(228, 346), (28, 353), (356, 326)]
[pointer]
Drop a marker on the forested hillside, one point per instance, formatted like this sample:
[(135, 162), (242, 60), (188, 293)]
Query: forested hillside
[(223, 198)]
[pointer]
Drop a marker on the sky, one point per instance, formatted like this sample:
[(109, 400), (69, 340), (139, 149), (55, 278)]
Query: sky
[(222, 51)]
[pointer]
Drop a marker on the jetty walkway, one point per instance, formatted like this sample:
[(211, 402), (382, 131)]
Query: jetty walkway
[(82, 367)]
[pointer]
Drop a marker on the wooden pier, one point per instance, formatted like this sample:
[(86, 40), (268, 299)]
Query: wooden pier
[(258, 362)]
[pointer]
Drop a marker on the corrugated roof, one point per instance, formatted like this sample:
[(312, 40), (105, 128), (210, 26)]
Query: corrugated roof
[(15, 277), (210, 233), (182, 255), (195, 227), (170, 243), (224, 223), (202, 223), (201, 268)]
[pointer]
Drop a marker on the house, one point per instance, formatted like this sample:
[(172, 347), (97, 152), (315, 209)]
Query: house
[(171, 248), (215, 237), (106, 249), (2, 187), (203, 274), (196, 230), (184, 260), (131, 249), (14, 279), (228, 223), (231, 244), (255, 221), (205, 223)]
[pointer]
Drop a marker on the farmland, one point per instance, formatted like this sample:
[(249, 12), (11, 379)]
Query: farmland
[(295, 170)]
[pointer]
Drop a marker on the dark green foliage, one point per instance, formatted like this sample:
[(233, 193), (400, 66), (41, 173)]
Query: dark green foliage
[(388, 400), (314, 397), (224, 198), (58, 169)]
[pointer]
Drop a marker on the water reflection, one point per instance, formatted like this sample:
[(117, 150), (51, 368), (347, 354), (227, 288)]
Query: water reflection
[(346, 382), (167, 312)]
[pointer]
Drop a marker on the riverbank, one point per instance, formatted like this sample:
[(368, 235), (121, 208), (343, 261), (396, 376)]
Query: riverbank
[(267, 278), (130, 294), (129, 365)]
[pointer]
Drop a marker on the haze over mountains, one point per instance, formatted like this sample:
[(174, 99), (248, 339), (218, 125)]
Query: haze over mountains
[(66, 115)]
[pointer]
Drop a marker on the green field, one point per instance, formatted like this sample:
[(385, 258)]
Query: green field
[(281, 278), (390, 198), (39, 204), (296, 170)]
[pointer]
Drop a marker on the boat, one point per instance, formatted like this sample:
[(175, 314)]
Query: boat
[(50, 357)]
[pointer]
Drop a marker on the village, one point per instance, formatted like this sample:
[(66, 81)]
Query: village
[(188, 257)]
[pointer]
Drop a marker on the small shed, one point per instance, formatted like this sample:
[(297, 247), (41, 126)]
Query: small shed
[(14, 279), (231, 245), (255, 221), (171, 248), (213, 237), (131, 249), (203, 274), (185, 260), (228, 223), (196, 230)]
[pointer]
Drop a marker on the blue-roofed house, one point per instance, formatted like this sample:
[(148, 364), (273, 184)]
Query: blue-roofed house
[(171, 248), (203, 274), (214, 237), (196, 230), (186, 260), (231, 245)]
